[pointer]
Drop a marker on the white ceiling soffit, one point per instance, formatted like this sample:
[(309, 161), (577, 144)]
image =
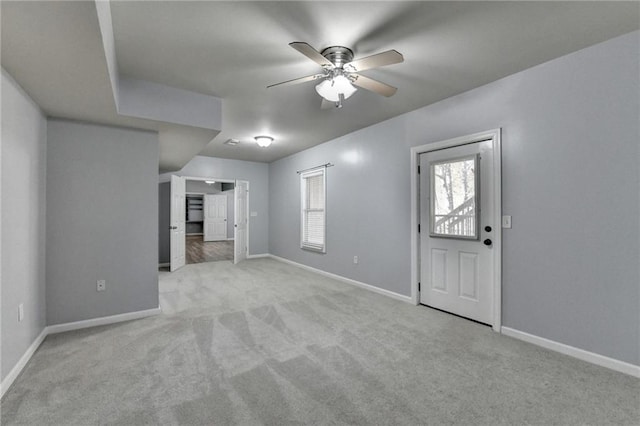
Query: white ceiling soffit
[(233, 50), (61, 55), (144, 99), (153, 101), (179, 143)]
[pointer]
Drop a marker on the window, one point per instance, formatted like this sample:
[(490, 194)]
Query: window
[(313, 191), (454, 198)]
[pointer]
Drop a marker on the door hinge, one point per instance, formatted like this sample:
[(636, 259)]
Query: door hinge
[(418, 228), (418, 169), (418, 286)]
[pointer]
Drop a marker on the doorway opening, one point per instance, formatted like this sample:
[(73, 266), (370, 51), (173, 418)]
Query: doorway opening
[(202, 220), (209, 209), (456, 239)]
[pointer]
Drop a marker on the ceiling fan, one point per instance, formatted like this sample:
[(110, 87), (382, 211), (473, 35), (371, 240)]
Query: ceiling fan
[(340, 73)]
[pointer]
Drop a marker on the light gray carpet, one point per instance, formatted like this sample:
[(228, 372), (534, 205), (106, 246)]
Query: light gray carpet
[(268, 343)]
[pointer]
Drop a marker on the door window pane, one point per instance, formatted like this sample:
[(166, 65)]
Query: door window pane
[(454, 198)]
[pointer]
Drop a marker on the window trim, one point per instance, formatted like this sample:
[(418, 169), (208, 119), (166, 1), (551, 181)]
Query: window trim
[(322, 170)]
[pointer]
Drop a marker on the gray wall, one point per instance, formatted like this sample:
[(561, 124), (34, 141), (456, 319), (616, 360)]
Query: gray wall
[(164, 221), (102, 220), (570, 180), (23, 172), (257, 174)]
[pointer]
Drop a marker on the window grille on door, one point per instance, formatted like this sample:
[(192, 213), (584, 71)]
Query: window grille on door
[(454, 198)]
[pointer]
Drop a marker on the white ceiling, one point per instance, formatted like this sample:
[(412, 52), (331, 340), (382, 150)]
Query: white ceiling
[(54, 51), (233, 50)]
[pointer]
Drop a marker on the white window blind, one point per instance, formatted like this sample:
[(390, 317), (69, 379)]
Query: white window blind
[(313, 229)]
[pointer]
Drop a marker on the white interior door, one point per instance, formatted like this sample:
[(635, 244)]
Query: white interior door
[(241, 198), (215, 217), (177, 227), (457, 230)]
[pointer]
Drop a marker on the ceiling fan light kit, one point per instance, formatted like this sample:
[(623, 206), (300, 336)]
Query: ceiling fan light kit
[(340, 72), (332, 88), (263, 141)]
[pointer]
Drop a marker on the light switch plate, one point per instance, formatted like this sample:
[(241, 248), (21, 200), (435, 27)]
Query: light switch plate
[(506, 221)]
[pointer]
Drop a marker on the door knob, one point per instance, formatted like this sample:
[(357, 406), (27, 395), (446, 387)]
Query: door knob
[(487, 228), (487, 242)]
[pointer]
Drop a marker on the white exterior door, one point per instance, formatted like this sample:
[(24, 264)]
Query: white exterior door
[(457, 230), (215, 217), (241, 220), (177, 226)]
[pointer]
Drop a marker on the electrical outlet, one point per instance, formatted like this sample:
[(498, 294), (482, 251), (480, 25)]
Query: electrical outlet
[(20, 312), (355, 260), (506, 221), (101, 285)]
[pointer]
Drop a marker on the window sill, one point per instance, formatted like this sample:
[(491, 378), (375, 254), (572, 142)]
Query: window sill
[(314, 249)]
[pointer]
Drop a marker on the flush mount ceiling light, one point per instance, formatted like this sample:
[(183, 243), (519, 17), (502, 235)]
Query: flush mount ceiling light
[(263, 141)]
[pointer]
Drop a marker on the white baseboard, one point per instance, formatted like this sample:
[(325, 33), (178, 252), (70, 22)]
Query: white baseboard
[(112, 319), (59, 328), (258, 256), (346, 280), (594, 358), (22, 362)]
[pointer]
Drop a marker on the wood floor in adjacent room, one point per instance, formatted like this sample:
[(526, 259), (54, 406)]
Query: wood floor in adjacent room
[(199, 251), (267, 343)]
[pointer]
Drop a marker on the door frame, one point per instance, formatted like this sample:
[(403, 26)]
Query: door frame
[(166, 177), (234, 181), (495, 136)]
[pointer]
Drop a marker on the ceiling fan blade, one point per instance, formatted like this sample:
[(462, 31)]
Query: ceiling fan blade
[(327, 104), (311, 53), (374, 85), (298, 80), (374, 61)]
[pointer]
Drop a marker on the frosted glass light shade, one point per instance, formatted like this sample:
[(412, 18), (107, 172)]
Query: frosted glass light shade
[(263, 141), (331, 89)]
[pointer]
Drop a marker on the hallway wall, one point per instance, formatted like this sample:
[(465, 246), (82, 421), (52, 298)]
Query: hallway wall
[(22, 230)]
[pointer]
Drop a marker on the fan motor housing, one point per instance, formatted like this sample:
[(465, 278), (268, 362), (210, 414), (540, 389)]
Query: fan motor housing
[(338, 55)]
